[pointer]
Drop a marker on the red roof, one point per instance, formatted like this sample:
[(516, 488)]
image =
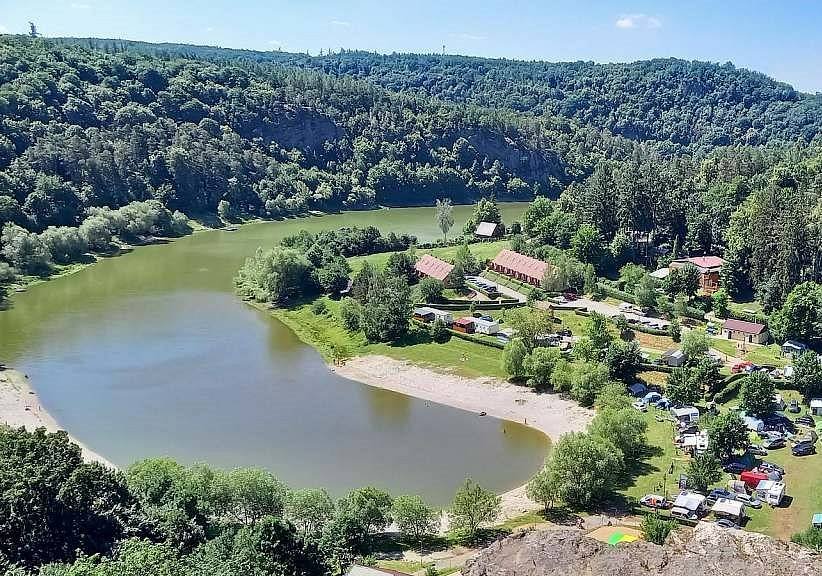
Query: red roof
[(464, 321), (705, 262), (742, 326), (530, 267), (434, 267)]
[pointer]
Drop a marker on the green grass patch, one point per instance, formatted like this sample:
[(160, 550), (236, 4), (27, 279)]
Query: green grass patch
[(481, 251), (406, 566)]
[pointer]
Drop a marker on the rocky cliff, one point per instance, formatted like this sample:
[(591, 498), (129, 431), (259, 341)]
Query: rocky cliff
[(706, 550)]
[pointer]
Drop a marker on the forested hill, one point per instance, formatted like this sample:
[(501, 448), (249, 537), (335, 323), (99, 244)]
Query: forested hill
[(680, 102)]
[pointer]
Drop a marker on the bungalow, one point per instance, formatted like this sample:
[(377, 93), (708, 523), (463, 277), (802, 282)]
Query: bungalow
[(688, 506), (482, 326), (730, 509), (519, 266), (771, 491), (488, 230), (708, 266), (743, 331), (428, 314), (793, 348), (433, 267), (464, 325), (816, 406), (674, 357)]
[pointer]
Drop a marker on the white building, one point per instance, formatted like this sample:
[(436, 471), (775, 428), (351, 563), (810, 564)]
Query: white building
[(686, 414), (437, 314), (486, 326), (816, 406), (771, 491)]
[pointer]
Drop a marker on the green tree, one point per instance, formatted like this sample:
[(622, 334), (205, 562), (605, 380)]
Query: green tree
[(675, 330), (473, 506), (401, 265), (645, 293), (414, 518), (445, 216), (800, 317), (588, 380), (586, 245), (529, 324), (656, 529), (24, 250), (513, 358), (623, 360), (728, 434), (350, 314), (276, 275), (597, 331), (585, 468), (719, 302), (309, 509), (431, 290), (695, 345), (757, 393), (703, 470), (486, 210), (630, 276), (439, 331), (544, 487), (807, 375), (386, 310), (466, 260), (625, 428), (369, 507), (612, 396), (332, 277), (255, 493), (681, 387), (64, 243), (539, 365)]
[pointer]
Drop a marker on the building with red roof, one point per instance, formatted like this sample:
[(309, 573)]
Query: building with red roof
[(519, 266), (433, 267), (709, 268), (743, 331)]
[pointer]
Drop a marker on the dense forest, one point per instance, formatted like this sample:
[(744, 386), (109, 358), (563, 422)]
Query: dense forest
[(699, 157)]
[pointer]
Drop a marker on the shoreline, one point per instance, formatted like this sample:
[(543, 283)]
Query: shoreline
[(549, 414), (20, 406)]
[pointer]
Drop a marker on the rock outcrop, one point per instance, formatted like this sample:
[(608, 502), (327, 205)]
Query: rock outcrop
[(706, 550)]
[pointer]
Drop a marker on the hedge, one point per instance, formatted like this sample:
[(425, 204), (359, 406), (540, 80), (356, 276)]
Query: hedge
[(615, 293), (647, 330), (729, 389), (758, 317), (477, 339), (650, 366)]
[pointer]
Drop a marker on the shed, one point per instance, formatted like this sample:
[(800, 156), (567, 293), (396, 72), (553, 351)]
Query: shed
[(685, 414), (730, 509), (754, 424), (488, 230), (793, 347), (750, 332), (637, 389), (771, 491), (433, 267), (816, 406), (464, 324), (674, 357), (483, 326)]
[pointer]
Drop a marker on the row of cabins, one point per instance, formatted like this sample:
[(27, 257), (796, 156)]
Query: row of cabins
[(507, 262)]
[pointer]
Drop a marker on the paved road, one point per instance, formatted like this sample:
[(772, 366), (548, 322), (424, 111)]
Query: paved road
[(610, 310)]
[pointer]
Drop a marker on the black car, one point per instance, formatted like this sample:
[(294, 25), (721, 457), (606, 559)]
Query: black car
[(806, 421), (718, 493), (734, 468), (793, 407), (773, 443), (803, 449)]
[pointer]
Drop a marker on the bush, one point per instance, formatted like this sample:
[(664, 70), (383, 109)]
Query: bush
[(431, 290), (350, 311), (319, 307), (656, 529), (810, 538), (439, 331)]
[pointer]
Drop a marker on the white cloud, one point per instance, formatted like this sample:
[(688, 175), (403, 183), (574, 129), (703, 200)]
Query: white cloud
[(80, 6), (341, 23), (645, 21), (208, 29), (469, 36)]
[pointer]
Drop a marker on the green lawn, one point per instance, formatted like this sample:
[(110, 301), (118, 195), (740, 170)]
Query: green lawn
[(481, 251)]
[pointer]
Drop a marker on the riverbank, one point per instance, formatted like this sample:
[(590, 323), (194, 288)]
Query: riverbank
[(547, 413), (20, 406)]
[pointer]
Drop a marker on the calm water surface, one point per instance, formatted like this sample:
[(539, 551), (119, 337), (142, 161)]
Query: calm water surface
[(150, 354)]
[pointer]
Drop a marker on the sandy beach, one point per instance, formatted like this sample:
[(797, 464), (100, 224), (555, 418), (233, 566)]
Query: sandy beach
[(548, 413), (20, 406)]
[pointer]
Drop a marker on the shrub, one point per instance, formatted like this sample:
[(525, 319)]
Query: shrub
[(439, 331), (319, 307), (656, 529)]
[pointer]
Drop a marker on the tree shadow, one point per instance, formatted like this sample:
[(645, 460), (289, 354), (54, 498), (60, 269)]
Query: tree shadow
[(392, 545)]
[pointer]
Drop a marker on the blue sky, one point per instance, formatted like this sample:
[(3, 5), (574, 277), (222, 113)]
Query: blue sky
[(779, 38)]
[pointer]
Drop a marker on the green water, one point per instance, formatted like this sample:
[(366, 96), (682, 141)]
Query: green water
[(151, 354)]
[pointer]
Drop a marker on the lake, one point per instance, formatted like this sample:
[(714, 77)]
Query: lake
[(151, 354)]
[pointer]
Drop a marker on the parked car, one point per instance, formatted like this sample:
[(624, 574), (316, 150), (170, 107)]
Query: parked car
[(749, 500), (654, 501), (718, 493), (806, 421), (774, 443), (771, 467), (565, 332), (734, 468), (725, 523), (803, 449), (793, 407), (757, 450), (640, 405)]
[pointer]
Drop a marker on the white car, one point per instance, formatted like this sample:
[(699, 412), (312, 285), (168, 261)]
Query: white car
[(640, 405)]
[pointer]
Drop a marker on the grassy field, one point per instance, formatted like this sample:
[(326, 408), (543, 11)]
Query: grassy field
[(481, 251)]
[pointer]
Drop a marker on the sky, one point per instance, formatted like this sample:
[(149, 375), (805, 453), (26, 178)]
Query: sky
[(780, 38)]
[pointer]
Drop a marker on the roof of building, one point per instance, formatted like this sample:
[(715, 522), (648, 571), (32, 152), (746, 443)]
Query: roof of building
[(815, 403), (743, 326), (726, 506), (660, 274), (464, 321), (521, 263), (486, 229), (481, 322), (433, 267), (704, 263), (795, 344), (674, 353), (684, 411), (423, 311), (689, 500)]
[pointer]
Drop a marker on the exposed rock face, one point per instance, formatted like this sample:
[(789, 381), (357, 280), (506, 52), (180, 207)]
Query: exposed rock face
[(707, 550)]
